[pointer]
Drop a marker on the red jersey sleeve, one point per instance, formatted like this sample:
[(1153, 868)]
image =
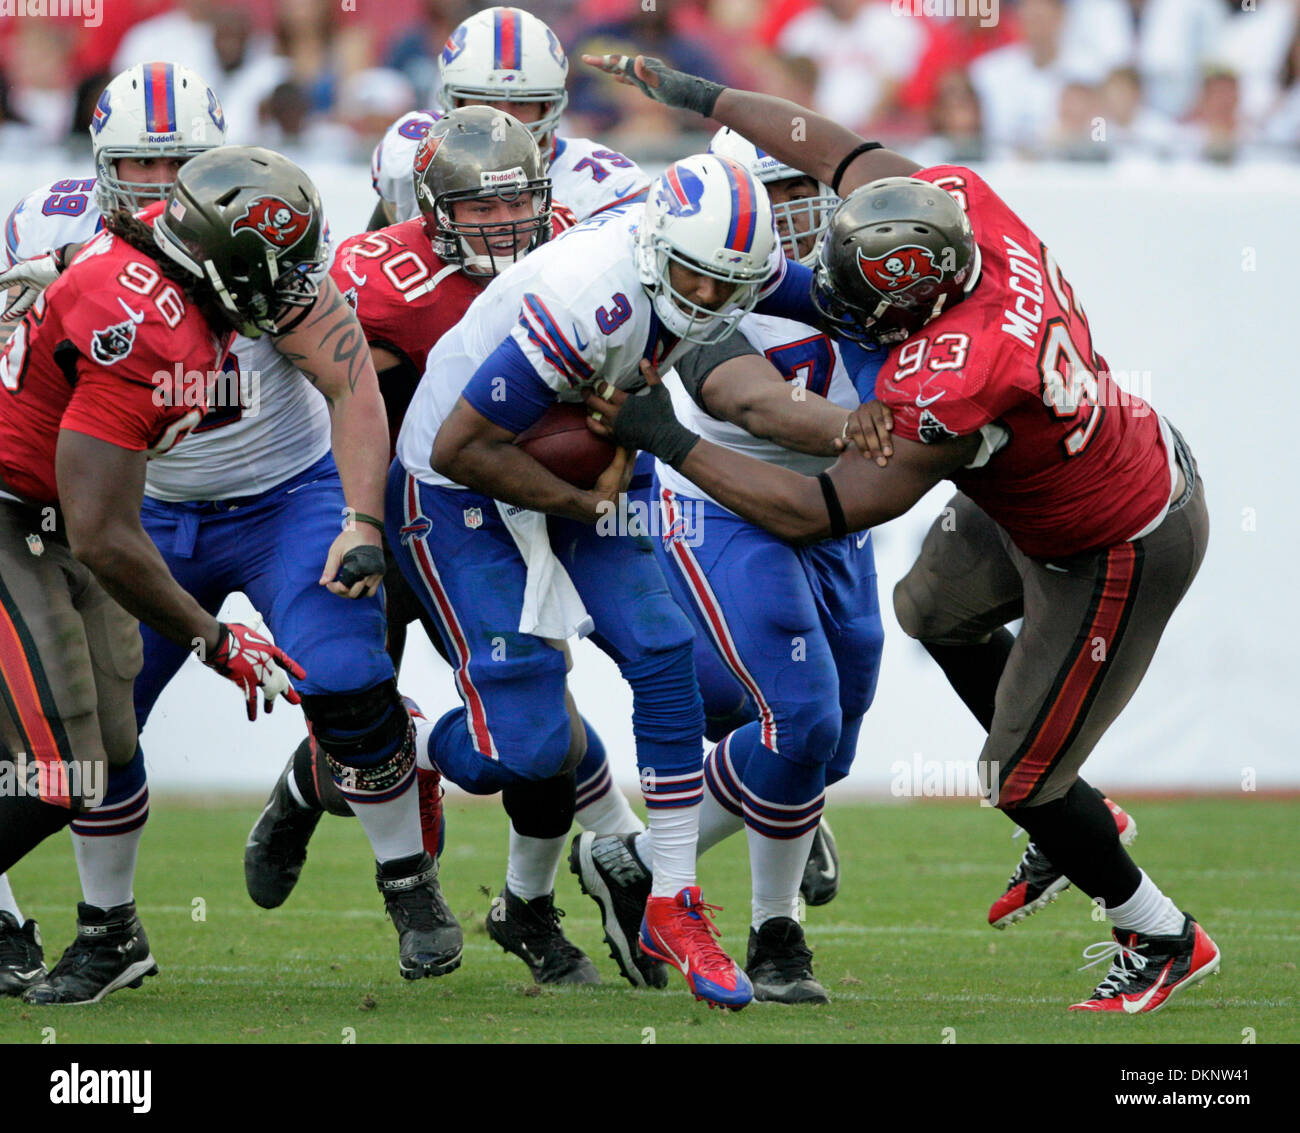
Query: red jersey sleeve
[(128, 390)]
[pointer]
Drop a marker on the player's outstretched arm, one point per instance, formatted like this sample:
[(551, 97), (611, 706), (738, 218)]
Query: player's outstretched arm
[(854, 495), (329, 347), (792, 133), (101, 487)]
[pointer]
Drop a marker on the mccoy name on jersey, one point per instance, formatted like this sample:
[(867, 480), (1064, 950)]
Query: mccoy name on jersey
[(1070, 462)]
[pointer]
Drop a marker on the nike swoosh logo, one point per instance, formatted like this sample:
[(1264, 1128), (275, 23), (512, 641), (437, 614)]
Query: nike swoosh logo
[(862, 542), (30, 975), (922, 402), (578, 338), (1133, 1006), (622, 191), (134, 316), (359, 280)]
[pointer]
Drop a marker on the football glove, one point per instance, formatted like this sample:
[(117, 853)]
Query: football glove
[(674, 88), (33, 276), (248, 659)]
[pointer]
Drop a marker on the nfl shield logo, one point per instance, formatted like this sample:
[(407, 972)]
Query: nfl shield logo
[(473, 517)]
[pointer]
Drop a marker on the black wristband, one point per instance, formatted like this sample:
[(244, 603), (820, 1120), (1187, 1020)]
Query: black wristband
[(646, 421), (351, 517), (848, 159), (839, 527)]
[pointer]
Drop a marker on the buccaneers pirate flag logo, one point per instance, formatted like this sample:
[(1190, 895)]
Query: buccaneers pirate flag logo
[(900, 269), (274, 220)]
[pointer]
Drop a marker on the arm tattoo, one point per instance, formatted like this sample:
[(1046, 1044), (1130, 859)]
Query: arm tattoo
[(335, 327)]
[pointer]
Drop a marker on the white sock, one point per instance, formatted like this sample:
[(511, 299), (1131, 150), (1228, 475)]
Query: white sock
[(106, 865), (393, 827), (610, 814), (776, 868), (1148, 911), (8, 902), (716, 821), (674, 835), (423, 736), (532, 865)]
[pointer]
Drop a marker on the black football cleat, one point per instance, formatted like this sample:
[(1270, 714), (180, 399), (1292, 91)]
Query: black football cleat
[(779, 964), (821, 874), (277, 845), (1148, 971), (22, 960), (429, 936), (1037, 882), (110, 952), (531, 930), (611, 874)]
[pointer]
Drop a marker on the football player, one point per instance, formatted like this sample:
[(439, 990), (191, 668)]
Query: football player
[(109, 368), (807, 664), (508, 59), (264, 479), (1079, 508), (510, 580), (411, 283)]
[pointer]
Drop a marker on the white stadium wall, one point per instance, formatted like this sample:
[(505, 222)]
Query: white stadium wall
[(1190, 280)]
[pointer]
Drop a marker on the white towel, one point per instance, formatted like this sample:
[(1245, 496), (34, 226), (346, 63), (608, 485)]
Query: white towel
[(552, 607)]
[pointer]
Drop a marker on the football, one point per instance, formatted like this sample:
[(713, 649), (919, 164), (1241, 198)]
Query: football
[(562, 444)]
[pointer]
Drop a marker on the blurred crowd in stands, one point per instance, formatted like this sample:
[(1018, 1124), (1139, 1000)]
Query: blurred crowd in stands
[(1086, 80)]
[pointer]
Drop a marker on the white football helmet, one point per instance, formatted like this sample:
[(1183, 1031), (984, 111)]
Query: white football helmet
[(150, 110), (709, 215), (506, 55), (810, 215)]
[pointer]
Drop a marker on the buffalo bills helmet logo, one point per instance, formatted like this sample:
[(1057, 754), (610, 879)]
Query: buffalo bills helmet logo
[(215, 112), (553, 46), (680, 191), (425, 153), (102, 111), (274, 220), (900, 269), (455, 44)]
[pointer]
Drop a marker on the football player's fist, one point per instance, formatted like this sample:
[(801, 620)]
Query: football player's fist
[(659, 81), (354, 567), (251, 661)]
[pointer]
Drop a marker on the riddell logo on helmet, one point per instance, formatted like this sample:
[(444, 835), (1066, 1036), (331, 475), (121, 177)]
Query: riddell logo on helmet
[(274, 220), (899, 269)]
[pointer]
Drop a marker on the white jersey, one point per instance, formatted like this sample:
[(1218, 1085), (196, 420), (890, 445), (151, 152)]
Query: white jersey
[(576, 309), (585, 177), (245, 445), (392, 165), (62, 212), (804, 356), (588, 178)]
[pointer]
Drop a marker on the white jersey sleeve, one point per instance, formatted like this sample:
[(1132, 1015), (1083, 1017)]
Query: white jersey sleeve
[(588, 178), (62, 212), (575, 308), (392, 163)]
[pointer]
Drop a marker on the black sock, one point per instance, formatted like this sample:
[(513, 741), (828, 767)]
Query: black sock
[(975, 670), (25, 822), (1078, 834), (541, 808)]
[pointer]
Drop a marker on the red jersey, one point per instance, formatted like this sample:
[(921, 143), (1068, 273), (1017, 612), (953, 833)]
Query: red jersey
[(1070, 463), (105, 351), (406, 297)]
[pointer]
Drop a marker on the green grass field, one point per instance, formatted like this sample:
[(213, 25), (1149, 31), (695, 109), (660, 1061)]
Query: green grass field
[(904, 950)]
